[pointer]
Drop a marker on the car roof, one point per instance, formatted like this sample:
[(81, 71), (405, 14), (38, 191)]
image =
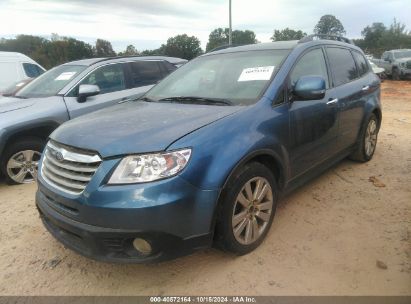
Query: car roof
[(92, 61), (278, 45), (281, 45), (400, 50)]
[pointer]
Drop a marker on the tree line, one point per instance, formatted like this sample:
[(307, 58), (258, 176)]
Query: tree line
[(376, 38)]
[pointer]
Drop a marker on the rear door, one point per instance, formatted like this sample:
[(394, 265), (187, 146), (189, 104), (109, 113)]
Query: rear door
[(313, 123), (350, 86), (111, 79)]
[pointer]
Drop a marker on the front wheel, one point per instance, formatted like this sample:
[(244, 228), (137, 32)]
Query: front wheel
[(249, 204), (368, 141), (20, 162)]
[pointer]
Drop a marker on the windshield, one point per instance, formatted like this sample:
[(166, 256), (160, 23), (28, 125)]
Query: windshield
[(239, 78), (403, 54), (51, 82)]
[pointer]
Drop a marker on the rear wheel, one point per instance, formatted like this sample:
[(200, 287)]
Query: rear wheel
[(368, 141), (20, 162), (249, 204)]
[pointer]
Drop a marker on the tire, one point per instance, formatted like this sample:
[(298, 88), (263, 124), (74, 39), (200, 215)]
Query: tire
[(234, 216), (395, 74), (364, 152), (25, 153)]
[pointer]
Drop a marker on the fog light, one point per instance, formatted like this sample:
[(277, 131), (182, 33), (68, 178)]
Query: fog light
[(142, 246)]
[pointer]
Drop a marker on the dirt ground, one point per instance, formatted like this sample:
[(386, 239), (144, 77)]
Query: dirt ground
[(348, 232)]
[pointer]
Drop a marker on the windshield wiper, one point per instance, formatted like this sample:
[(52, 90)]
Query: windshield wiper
[(145, 99), (199, 100)]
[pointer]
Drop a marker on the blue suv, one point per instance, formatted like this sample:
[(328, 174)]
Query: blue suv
[(203, 158)]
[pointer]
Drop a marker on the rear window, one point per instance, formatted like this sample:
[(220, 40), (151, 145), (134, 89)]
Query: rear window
[(361, 63), (32, 70), (342, 65), (145, 73)]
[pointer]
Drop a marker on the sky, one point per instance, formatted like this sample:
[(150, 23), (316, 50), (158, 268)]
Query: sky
[(148, 23)]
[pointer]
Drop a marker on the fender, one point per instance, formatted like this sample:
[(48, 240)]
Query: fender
[(29, 129), (282, 175)]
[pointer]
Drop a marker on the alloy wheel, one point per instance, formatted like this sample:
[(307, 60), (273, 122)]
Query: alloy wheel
[(371, 137), (252, 210), (22, 167)]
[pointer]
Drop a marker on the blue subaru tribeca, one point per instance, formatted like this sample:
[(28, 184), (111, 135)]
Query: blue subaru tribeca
[(203, 158)]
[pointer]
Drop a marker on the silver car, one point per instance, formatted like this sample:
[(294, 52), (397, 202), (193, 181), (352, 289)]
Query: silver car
[(66, 92)]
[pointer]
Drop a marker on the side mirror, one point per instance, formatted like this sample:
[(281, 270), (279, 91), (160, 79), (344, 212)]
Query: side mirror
[(310, 88), (87, 90)]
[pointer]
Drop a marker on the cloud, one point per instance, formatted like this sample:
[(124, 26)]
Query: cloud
[(148, 23)]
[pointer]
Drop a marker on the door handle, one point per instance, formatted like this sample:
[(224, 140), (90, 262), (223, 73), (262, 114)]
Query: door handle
[(366, 88), (332, 101)]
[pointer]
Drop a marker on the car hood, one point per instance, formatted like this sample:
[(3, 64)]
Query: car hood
[(137, 127), (403, 60), (8, 104)]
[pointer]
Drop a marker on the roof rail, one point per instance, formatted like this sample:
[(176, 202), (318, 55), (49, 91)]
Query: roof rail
[(225, 46), (326, 37)]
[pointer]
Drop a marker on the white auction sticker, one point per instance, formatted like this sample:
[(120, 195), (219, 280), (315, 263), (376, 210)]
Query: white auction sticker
[(65, 76), (257, 73)]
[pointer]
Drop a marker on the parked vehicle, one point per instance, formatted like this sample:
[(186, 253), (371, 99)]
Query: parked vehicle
[(63, 93), (205, 155), (397, 63), (15, 87), (15, 67), (377, 70)]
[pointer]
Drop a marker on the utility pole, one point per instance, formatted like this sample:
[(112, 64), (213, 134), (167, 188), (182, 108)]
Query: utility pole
[(230, 32)]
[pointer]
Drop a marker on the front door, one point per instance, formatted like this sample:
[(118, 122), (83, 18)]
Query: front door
[(313, 123), (110, 79)]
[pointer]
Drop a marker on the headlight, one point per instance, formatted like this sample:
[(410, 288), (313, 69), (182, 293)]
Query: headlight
[(150, 167)]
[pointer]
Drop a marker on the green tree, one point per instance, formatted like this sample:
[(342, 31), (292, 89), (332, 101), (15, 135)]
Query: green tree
[(65, 49), (182, 46), (161, 51), (219, 37), (287, 34), (130, 51), (25, 44), (103, 48), (329, 25), (377, 38)]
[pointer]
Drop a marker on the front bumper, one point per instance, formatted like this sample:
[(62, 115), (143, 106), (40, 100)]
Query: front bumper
[(172, 215)]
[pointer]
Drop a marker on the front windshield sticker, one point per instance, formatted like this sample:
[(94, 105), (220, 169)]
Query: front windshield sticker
[(65, 76), (257, 73)]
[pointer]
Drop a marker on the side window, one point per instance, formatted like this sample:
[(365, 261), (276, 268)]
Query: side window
[(109, 78), (32, 70), (385, 56), (168, 67), (361, 63), (342, 65), (310, 64), (145, 73)]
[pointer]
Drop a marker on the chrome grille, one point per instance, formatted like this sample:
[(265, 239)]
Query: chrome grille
[(67, 168)]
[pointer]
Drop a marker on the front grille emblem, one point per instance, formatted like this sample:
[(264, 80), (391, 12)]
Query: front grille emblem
[(59, 156)]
